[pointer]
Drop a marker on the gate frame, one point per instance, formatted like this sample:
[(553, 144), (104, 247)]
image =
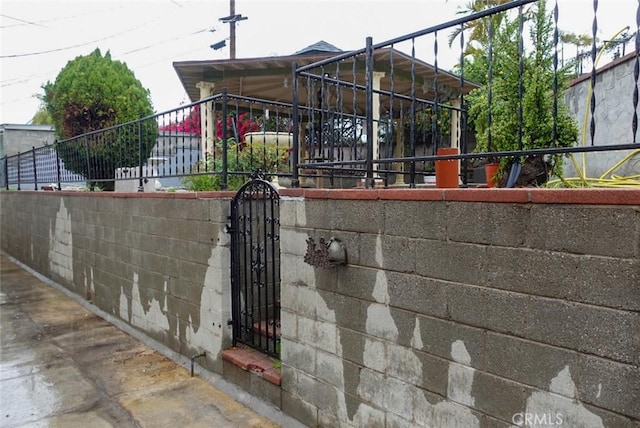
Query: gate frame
[(244, 250)]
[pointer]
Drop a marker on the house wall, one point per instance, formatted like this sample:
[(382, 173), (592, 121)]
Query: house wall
[(613, 116), (16, 139), (456, 307)]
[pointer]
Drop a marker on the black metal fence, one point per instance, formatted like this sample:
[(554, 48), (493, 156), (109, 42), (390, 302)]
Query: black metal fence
[(380, 115)]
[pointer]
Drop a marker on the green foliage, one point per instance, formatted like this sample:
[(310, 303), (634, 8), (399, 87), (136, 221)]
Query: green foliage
[(537, 100), (93, 93), (242, 160), (42, 117)]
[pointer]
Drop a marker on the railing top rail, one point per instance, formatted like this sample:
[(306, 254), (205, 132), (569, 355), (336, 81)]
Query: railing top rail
[(452, 23)]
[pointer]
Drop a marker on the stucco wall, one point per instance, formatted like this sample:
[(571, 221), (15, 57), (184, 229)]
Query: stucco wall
[(456, 308), (16, 139), (613, 117)]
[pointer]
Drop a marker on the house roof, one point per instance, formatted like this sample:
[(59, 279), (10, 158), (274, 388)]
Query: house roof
[(271, 77), (319, 47)]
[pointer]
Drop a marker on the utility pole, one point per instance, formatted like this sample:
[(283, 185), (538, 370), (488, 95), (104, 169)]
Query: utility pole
[(232, 31), (231, 20)]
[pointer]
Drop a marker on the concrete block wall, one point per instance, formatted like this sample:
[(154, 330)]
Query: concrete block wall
[(159, 263), (461, 313), (613, 117), (455, 308)]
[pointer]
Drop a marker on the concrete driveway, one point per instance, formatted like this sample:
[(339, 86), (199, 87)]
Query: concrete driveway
[(61, 365)]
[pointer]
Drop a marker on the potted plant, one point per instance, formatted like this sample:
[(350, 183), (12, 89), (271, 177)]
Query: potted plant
[(530, 92)]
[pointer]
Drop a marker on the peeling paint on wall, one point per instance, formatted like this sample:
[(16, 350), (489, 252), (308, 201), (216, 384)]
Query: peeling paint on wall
[(560, 405), (61, 245), (155, 318), (215, 302)]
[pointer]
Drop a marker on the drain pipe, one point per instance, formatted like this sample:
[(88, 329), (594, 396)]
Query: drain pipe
[(200, 355)]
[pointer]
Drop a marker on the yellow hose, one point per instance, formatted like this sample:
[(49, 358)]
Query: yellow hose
[(608, 179)]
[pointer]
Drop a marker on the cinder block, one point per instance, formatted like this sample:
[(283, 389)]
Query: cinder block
[(417, 294), (497, 396), (524, 361), (391, 253), (606, 281), (585, 328), (294, 406), (331, 368), (417, 368), (327, 336), (289, 379), (451, 261), (357, 281), (413, 219), (502, 224), (609, 385), (438, 335), (317, 393), (497, 310), (318, 214), (348, 215), (352, 344), (568, 228), (298, 356), (541, 273), (346, 310)]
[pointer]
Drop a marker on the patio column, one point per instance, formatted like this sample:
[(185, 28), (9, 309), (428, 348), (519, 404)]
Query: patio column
[(456, 137), (377, 77), (399, 152), (206, 118)]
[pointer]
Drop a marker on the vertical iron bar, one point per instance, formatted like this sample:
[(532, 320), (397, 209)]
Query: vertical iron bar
[(369, 113), (461, 125), (636, 74), (391, 135), (412, 126), (490, 84), (554, 131), (265, 271), (434, 116), (35, 168), (140, 178), (594, 51), (86, 140), (19, 168), (6, 171), (295, 177), (225, 160), (58, 172), (521, 74)]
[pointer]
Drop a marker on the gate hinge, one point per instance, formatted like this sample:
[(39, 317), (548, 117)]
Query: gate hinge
[(228, 228), (229, 322)]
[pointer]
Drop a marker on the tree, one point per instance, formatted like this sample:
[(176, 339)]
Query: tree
[(479, 27), (42, 117), (91, 93), (537, 127)]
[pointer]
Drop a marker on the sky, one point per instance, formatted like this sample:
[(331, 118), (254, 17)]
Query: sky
[(38, 38)]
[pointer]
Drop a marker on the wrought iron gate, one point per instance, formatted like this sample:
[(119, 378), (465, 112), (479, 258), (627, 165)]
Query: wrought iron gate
[(255, 266)]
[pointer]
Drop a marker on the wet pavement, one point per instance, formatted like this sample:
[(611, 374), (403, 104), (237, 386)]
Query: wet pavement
[(61, 365)]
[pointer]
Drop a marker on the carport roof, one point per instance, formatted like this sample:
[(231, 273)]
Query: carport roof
[(270, 77)]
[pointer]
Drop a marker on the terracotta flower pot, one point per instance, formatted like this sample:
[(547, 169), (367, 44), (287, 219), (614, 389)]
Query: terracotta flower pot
[(447, 171), (491, 171)]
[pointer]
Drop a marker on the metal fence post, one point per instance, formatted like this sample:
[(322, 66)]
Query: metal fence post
[(6, 171), (35, 169), (58, 173), (369, 182), (19, 162), (225, 159), (86, 146), (295, 179), (140, 178)]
